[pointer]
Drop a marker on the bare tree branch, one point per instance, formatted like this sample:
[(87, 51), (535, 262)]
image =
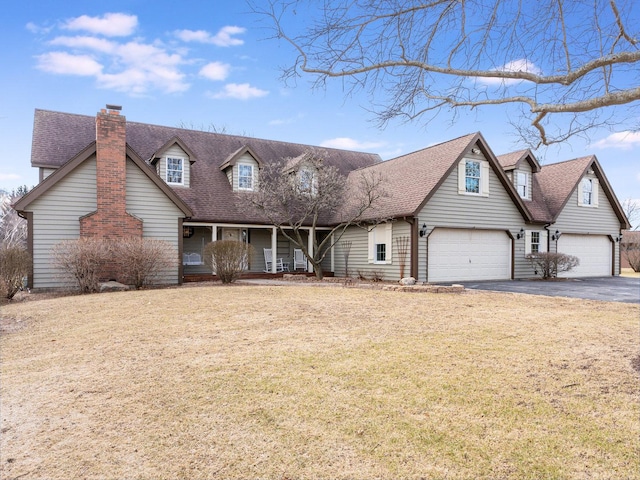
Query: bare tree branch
[(552, 56)]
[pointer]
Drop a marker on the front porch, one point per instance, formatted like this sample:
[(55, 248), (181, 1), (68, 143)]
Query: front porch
[(260, 237)]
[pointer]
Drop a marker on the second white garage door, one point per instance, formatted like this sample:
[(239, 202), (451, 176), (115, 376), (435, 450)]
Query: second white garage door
[(594, 252), (458, 255)]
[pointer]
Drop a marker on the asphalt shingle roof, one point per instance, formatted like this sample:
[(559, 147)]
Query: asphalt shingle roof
[(59, 136)]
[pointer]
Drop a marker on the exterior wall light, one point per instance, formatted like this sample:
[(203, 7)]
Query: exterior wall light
[(556, 235), (423, 230), (520, 234)]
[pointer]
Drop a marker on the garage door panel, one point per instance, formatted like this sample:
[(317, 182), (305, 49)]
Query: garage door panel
[(456, 255), (593, 251)]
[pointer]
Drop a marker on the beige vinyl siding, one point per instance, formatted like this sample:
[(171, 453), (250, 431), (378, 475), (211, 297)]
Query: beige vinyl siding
[(46, 172), (56, 218), (591, 220), (359, 253), (176, 152), (158, 213), (447, 208)]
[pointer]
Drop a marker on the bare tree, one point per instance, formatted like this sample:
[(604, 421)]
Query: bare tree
[(631, 209), (13, 229), (300, 194), (575, 62)]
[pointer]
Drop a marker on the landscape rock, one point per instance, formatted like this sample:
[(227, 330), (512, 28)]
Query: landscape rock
[(407, 281)]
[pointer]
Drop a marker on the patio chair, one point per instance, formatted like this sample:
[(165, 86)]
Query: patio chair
[(268, 260), (299, 260)]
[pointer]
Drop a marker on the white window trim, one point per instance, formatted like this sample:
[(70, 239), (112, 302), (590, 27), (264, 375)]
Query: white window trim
[(543, 241), (594, 192), (253, 179), (484, 177), (381, 234), (527, 193), (166, 173)]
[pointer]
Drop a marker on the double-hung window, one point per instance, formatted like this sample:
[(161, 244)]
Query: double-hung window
[(522, 186), (472, 176), (535, 242), (175, 170), (587, 191), (245, 177), (380, 243)]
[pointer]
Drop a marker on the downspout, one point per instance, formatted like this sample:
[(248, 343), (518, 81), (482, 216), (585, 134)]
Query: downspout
[(546, 227), (413, 249)]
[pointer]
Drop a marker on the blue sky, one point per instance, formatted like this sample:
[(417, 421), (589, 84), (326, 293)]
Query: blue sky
[(211, 63)]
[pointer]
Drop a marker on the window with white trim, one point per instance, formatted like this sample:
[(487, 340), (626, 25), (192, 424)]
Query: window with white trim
[(175, 170), (380, 243), (473, 177), (588, 192), (522, 184), (245, 177), (307, 181), (535, 241)]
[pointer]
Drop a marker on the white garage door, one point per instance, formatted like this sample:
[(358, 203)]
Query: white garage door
[(457, 255), (594, 252)]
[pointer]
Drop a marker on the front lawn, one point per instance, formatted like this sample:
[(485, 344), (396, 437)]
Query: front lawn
[(304, 382)]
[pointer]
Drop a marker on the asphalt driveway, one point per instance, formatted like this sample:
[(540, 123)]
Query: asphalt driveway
[(609, 289)]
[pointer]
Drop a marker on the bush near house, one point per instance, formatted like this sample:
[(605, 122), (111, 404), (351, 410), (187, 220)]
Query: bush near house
[(131, 260), (15, 262), (142, 260), (550, 264), (227, 258), (84, 260)]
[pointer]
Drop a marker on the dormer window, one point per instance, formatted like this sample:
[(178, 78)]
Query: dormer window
[(245, 177), (307, 182), (175, 170), (588, 192), (522, 184)]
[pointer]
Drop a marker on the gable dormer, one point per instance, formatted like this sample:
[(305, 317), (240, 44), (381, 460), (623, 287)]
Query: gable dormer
[(520, 167), (242, 169), (173, 163)]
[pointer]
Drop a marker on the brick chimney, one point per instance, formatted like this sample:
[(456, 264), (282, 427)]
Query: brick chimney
[(111, 220)]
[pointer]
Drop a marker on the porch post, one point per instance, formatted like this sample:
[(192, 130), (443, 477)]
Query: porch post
[(312, 233), (214, 233), (333, 262), (274, 249)]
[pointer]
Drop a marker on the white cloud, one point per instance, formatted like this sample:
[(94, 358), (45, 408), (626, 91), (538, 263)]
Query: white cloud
[(224, 37), (346, 143), (521, 65), (110, 24), (240, 91), (215, 71), (621, 140), (91, 43), (37, 29), (67, 64)]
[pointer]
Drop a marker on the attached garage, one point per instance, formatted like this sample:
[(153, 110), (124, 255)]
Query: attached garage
[(461, 254), (594, 252)]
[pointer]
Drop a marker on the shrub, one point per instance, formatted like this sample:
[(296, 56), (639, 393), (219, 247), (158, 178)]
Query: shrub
[(227, 258), (84, 260), (142, 260), (15, 263), (632, 254), (550, 264)]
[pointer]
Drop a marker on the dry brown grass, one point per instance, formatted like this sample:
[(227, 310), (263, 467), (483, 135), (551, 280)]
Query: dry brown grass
[(303, 382)]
